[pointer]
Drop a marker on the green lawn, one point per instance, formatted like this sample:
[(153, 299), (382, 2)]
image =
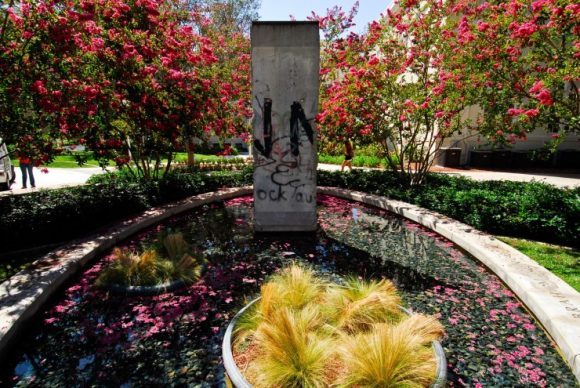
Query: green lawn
[(68, 161), (562, 261)]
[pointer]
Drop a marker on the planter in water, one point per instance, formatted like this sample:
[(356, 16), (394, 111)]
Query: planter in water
[(163, 268), (351, 334)]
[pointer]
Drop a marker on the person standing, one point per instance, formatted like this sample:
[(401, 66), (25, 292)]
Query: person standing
[(26, 169), (348, 155)]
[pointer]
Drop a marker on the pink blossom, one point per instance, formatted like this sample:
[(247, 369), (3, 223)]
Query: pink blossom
[(482, 26), (539, 4), (524, 30), (532, 112), (515, 111), (541, 93), (513, 51), (545, 97)]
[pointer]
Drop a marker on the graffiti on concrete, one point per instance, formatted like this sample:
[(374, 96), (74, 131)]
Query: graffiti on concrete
[(289, 176)]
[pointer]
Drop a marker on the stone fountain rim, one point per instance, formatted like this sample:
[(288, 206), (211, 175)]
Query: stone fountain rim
[(555, 304)]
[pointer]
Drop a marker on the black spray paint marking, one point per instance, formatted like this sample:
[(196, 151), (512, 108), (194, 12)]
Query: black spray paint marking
[(266, 149), (298, 116), (279, 178)]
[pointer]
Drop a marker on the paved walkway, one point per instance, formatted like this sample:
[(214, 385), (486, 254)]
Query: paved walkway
[(55, 178), (61, 177), (553, 178)]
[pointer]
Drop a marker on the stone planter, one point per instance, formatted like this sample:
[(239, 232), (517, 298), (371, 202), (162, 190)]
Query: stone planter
[(237, 378), (145, 290)]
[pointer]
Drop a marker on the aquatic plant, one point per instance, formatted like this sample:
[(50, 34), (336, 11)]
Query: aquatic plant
[(153, 267)]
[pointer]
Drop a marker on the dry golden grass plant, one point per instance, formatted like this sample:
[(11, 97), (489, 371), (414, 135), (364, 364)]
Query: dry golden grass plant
[(171, 261), (306, 332)]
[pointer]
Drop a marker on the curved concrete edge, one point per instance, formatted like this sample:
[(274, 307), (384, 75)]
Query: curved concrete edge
[(24, 294), (555, 304)]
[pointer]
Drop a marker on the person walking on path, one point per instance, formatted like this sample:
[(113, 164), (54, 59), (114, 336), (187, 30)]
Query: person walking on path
[(26, 169), (348, 155)]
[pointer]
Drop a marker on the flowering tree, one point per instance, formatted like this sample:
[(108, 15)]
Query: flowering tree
[(228, 116), (523, 59), (397, 86), (232, 15), (127, 79), (30, 94)]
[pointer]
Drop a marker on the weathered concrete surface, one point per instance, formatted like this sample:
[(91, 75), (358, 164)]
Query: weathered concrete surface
[(23, 295), (285, 81), (555, 304)]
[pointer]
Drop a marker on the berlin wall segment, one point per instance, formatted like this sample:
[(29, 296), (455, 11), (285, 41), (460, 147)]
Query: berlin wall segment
[(285, 81)]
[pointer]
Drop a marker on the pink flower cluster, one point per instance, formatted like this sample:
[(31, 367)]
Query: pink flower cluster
[(541, 93)]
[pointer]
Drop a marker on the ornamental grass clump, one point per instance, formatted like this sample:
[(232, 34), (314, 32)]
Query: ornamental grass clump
[(307, 332), (169, 261)]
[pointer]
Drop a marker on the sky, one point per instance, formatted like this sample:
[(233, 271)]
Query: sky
[(369, 10)]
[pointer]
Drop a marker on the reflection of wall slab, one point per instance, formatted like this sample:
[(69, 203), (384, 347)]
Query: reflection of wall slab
[(285, 81)]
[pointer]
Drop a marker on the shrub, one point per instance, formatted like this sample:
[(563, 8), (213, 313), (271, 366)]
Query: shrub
[(353, 334), (171, 261), (358, 305), (387, 356), (533, 210), (52, 216), (528, 210)]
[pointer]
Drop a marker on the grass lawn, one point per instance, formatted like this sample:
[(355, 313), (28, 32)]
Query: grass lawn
[(562, 261), (68, 161)]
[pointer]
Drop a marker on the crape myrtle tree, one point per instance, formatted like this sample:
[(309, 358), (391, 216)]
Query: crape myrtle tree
[(335, 25), (125, 78), (523, 57), (397, 86), (30, 78), (228, 15), (157, 79), (229, 116)]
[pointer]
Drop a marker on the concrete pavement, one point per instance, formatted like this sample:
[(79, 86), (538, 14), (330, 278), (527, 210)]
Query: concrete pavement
[(557, 179), (54, 178)]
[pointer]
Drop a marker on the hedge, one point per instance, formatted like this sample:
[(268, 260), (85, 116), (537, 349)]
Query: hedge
[(534, 211), (53, 216)]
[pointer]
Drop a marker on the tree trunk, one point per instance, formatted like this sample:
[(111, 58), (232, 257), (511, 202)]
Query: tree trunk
[(190, 146)]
